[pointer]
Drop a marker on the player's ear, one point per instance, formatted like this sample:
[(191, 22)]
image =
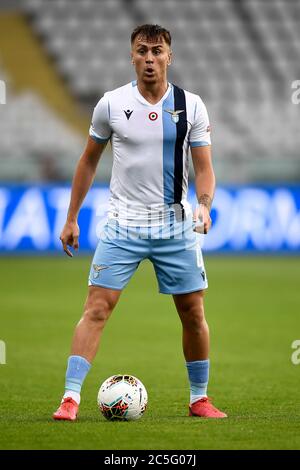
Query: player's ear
[(170, 57), (131, 56)]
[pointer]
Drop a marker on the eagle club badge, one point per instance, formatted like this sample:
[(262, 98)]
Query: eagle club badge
[(97, 269), (174, 114)]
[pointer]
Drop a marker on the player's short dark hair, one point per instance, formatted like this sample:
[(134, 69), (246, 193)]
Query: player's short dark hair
[(151, 32)]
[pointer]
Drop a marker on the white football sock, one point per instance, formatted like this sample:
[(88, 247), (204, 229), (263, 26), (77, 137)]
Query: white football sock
[(74, 395)]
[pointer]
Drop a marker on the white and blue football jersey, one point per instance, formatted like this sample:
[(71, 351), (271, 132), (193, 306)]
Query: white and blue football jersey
[(150, 144)]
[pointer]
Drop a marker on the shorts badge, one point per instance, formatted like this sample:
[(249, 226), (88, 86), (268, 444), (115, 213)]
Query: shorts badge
[(97, 268)]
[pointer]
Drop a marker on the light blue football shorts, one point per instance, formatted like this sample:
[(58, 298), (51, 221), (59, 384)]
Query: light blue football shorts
[(174, 250)]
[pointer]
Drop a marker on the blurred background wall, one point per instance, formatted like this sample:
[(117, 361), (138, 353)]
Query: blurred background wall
[(58, 57)]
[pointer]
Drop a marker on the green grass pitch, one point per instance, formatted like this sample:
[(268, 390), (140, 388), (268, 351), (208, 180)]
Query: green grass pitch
[(252, 307)]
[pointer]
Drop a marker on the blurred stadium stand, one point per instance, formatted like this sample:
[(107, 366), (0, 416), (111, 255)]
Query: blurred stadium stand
[(240, 56), (33, 141)]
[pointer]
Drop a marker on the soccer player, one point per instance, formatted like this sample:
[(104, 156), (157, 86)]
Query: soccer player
[(151, 124)]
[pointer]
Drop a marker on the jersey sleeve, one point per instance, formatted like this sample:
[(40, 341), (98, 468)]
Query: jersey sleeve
[(100, 129), (200, 131)]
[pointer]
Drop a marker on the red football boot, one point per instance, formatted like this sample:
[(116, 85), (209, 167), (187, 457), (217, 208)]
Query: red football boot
[(203, 408), (67, 411)]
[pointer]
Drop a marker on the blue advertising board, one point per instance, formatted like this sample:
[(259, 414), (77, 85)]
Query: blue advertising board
[(245, 218)]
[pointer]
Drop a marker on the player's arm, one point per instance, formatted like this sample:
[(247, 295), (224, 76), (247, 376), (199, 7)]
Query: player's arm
[(204, 184), (82, 180)]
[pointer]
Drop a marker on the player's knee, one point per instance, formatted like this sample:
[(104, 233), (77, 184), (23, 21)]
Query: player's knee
[(98, 311), (193, 317)]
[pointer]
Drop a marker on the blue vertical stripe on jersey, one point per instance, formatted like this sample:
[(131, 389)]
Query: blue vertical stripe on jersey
[(169, 140), (181, 128)]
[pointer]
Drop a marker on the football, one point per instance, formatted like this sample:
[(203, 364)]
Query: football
[(122, 398)]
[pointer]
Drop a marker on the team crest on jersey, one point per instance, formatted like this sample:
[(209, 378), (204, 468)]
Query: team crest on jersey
[(97, 269), (174, 114)]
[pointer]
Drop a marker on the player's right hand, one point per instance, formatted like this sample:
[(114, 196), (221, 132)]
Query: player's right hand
[(69, 237)]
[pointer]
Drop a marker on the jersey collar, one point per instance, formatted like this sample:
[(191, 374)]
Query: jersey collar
[(140, 97)]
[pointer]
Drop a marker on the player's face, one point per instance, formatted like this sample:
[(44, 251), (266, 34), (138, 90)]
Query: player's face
[(151, 59)]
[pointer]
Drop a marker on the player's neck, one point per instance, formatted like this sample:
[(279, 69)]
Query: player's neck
[(153, 92)]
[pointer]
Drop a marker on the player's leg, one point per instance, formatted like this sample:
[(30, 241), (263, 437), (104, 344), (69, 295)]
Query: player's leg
[(195, 331), (195, 342), (180, 271), (116, 258), (98, 307)]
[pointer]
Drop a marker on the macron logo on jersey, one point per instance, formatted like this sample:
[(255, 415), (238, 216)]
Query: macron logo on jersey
[(128, 113)]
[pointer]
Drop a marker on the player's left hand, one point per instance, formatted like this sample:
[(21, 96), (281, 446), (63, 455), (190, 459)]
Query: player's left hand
[(202, 219)]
